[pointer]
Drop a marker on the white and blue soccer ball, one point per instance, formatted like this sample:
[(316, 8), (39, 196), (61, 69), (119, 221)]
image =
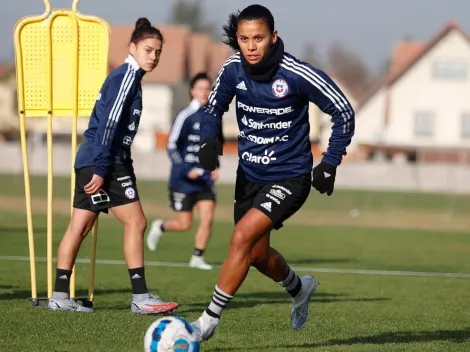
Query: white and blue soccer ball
[(173, 334)]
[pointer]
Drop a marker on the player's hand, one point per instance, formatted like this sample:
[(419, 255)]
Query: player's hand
[(193, 174), (215, 175), (323, 178), (209, 154), (94, 185)]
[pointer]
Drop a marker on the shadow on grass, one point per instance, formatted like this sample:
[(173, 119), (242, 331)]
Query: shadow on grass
[(454, 336), (250, 300)]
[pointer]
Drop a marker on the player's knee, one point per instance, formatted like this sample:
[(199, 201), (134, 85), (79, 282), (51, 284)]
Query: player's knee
[(80, 229), (185, 224), (240, 241), (142, 224), (137, 224)]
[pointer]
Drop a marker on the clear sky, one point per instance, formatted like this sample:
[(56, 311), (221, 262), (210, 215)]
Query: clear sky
[(367, 27)]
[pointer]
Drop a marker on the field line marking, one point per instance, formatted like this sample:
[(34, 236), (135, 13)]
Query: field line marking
[(298, 269)]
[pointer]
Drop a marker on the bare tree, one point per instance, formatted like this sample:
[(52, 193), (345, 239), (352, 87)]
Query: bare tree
[(349, 68), (310, 55), (191, 13)]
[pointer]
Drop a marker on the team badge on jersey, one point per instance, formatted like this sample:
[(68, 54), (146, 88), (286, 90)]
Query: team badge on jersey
[(280, 88), (130, 193)]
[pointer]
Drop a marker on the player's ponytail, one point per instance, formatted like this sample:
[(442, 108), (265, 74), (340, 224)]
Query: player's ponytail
[(230, 31), (143, 30)]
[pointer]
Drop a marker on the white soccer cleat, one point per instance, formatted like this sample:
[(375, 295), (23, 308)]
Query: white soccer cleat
[(67, 305), (154, 234), (300, 311), (199, 263), (204, 327)]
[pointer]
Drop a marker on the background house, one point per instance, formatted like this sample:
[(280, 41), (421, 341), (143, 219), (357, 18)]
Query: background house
[(422, 109)]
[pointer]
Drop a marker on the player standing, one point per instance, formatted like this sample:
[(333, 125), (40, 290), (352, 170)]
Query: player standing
[(105, 176)]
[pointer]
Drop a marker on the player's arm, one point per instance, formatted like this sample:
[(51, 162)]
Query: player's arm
[(110, 110), (323, 92), (211, 115), (178, 134)]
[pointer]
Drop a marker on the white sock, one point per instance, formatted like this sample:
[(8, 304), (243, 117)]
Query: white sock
[(219, 300)]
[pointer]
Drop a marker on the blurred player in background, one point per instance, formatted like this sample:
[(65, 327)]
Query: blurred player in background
[(105, 178), (190, 185), (274, 177)]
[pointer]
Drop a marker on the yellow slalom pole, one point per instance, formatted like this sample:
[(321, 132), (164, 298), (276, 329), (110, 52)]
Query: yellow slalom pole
[(49, 204), (74, 84), (91, 283), (50, 165), (29, 215)]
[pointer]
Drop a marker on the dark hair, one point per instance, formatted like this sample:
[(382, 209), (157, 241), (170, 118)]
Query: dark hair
[(143, 30), (199, 76), (252, 12)]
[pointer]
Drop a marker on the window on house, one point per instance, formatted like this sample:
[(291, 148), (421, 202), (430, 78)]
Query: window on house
[(424, 124), (452, 69), (465, 126)]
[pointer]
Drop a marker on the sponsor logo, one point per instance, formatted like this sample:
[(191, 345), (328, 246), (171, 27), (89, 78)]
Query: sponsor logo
[(100, 197), (191, 158), (280, 125), (193, 148), (263, 140), (277, 193), (127, 140), (273, 198), (258, 110), (259, 159), (193, 138), (283, 188)]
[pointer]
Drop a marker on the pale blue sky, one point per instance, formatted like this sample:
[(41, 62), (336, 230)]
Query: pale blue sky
[(368, 27)]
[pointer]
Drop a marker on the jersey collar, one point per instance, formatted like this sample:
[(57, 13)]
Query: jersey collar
[(133, 63), (195, 104)]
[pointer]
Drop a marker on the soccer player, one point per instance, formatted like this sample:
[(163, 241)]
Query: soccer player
[(273, 90), (105, 177), (190, 185)]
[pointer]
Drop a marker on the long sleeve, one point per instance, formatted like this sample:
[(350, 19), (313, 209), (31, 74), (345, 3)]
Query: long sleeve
[(178, 133), (322, 91), (219, 100), (110, 109)]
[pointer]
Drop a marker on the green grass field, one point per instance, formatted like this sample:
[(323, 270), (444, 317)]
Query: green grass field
[(353, 310)]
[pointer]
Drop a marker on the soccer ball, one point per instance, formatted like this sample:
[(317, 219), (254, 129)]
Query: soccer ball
[(173, 334)]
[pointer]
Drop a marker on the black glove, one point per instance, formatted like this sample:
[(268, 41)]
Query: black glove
[(209, 154), (323, 178)]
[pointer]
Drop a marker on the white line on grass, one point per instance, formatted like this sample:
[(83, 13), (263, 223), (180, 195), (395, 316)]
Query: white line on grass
[(299, 269)]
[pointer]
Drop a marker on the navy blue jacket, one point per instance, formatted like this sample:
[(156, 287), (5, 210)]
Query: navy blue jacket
[(273, 120), (183, 149), (114, 120)]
